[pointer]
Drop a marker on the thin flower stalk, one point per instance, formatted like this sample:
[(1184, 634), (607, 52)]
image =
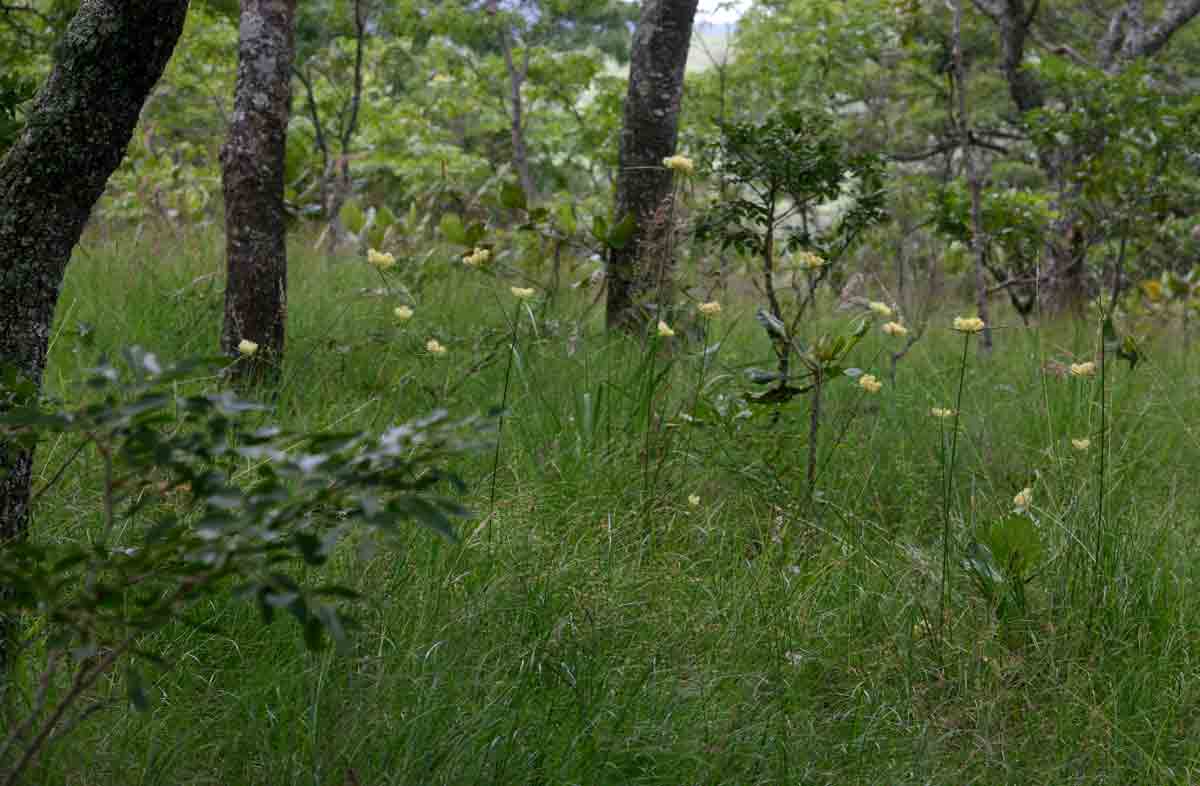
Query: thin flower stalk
[(948, 490)]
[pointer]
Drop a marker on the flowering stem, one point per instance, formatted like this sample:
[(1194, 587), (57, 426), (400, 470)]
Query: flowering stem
[(648, 399), (1099, 534), (814, 426), (699, 386), (516, 329), (948, 488)]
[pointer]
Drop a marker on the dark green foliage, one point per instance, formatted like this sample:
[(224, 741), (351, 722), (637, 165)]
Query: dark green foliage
[(202, 498), (14, 91), (785, 168)]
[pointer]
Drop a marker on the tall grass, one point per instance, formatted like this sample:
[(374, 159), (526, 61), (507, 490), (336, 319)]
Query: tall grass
[(598, 628)]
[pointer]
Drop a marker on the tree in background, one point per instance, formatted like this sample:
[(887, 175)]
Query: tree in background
[(112, 54), (649, 135), (541, 48), (1108, 42), (253, 162), (322, 30)]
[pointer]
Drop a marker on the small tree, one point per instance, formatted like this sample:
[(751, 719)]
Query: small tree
[(792, 180)]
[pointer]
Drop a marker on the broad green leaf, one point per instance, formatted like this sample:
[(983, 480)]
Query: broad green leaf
[(452, 229), (512, 196), (620, 235), (353, 217)]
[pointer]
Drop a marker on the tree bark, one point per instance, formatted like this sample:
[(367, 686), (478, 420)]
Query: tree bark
[(649, 134), (252, 161), (110, 57), (1014, 19)]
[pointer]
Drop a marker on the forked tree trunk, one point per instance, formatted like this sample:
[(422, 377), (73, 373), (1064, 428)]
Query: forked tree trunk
[(112, 54), (649, 134), (252, 162)]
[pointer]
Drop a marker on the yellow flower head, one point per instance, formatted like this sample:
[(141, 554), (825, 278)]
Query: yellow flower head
[(968, 324), (939, 412), (247, 347), (869, 383), (881, 308), (694, 500), (1081, 444), (521, 293), (380, 260), (403, 313), (680, 164), (664, 329), (434, 347), (709, 309), (1024, 499), (894, 329), (808, 260), (478, 257), (1085, 369)]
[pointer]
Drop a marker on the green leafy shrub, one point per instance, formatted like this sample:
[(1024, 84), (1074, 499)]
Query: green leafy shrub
[(200, 500)]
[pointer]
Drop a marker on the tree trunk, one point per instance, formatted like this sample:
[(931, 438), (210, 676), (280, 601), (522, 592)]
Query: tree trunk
[(252, 162), (109, 59), (649, 134), (516, 79)]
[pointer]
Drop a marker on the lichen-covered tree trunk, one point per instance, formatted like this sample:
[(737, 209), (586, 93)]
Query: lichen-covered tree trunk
[(644, 186), (252, 161), (111, 56)]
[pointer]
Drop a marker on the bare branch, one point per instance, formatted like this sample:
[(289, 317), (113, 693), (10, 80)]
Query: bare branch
[(1174, 16), (318, 129), (993, 9), (360, 34)]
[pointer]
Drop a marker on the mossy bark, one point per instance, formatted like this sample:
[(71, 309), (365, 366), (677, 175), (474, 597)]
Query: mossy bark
[(649, 134), (109, 59), (253, 163)]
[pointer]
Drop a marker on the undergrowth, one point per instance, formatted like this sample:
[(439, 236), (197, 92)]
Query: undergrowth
[(653, 596)]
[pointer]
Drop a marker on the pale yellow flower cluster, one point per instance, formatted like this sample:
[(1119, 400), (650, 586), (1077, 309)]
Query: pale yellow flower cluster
[(403, 313), (247, 347), (968, 324), (870, 383), (939, 412), (522, 293), (478, 257), (664, 329), (434, 347), (680, 164), (1085, 369), (881, 309), (808, 260), (1023, 499), (380, 260), (709, 309), (894, 329)]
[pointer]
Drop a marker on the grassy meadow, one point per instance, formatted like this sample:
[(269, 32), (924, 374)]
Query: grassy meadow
[(652, 597)]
